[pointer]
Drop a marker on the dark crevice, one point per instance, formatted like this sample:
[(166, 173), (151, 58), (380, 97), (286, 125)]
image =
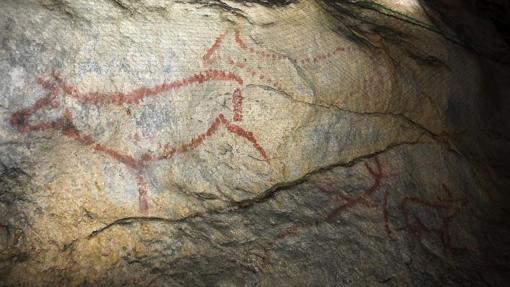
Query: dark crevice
[(338, 7), (244, 204)]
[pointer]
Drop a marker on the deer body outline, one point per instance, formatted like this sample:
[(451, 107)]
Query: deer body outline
[(20, 119)]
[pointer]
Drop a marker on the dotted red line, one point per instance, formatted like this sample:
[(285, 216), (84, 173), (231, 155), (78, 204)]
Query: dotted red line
[(321, 57), (143, 202), (273, 56), (136, 95), (200, 138), (235, 129), (237, 103), (217, 42), (261, 76)]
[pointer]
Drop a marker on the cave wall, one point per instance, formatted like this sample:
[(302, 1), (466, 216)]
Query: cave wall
[(252, 143)]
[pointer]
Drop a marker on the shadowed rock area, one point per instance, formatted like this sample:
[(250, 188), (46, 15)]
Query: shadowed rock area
[(254, 143)]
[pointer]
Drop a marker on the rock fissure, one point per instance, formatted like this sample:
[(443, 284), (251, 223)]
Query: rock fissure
[(253, 143), (236, 206), (400, 116)]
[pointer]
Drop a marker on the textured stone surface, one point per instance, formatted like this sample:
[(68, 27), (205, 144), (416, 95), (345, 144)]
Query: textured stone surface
[(209, 143)]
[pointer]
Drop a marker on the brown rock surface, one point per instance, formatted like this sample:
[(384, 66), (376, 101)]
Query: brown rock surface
[(243, 143)]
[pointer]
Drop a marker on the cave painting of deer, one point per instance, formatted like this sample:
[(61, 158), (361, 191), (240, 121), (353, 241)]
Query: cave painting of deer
[(56, 88)]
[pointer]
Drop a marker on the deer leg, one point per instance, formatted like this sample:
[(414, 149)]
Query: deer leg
[(239, 131), (143, 202)]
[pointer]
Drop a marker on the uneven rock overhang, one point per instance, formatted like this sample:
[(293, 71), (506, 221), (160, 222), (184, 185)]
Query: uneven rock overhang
[(247, 143)]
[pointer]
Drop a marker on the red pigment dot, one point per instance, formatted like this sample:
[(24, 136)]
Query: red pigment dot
[(55, 104)]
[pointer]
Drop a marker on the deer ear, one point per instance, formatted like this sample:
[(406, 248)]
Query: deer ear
[(66, 88), (67, 114), (42, 82), (55, 104), (19, 119), (47, 85)]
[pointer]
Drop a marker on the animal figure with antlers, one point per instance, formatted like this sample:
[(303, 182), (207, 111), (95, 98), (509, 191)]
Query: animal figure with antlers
[(56, 87)]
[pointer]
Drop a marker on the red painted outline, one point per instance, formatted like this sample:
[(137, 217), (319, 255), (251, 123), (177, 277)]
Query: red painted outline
[(305, 60), (447, 208), (240, 41), (217, 42), (220, 120), (262, 76), (136, 95), (237, 103), (20, 120), (377, 175), (451, 206), (273, 56), (293, 230)]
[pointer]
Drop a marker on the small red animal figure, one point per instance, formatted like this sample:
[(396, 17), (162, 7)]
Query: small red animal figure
[(57, 88), (377, 174), (416, 210)]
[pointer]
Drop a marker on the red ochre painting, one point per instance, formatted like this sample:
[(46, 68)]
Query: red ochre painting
[(448, 208), (416, 212), (55, 85), (21, 119)]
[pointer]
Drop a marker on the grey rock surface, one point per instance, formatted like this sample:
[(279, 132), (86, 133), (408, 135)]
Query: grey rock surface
[(245, 143)]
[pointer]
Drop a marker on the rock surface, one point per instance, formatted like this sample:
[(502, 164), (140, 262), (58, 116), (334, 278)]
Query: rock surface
[(243, 143)]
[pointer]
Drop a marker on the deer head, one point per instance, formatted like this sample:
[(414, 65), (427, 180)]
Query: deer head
[(22, 119)]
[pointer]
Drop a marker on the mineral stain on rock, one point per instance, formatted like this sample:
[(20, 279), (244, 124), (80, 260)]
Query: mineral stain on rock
[(270, 143)]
